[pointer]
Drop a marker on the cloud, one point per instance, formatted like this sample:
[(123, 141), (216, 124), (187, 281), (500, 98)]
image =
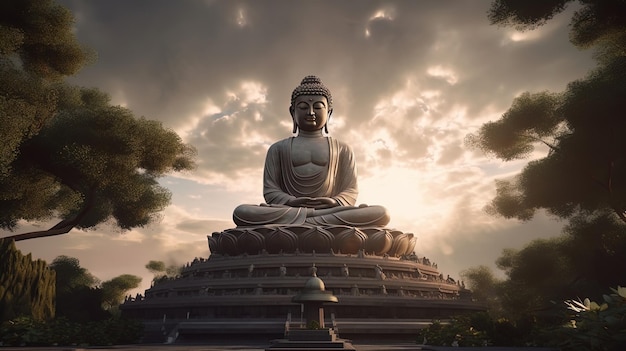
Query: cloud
[(410, 79)]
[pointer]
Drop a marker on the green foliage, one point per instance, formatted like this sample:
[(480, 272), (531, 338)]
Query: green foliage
[(156, 267), (583, 176), (530, 118), (91, 163), (537, 274), (78, 297), (596, 23), (38, 47), (596, 247), (114, 290), (313, 325), (485, 288), (161, 271), (27, 287), (580, 261), (66, 152), (70, 275), (585, 169), (591, 326), (459, 331), (524, 15), (481, 329), (586, 257), (39, 33), (62, 332)]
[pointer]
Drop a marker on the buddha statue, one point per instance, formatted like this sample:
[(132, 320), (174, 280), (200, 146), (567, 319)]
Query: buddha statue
[(310, 178)]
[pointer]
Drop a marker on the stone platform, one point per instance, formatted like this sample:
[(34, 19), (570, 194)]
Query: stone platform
[(319, 340)]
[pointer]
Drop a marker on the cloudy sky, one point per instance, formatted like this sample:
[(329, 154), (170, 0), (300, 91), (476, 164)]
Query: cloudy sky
[(410, 80)]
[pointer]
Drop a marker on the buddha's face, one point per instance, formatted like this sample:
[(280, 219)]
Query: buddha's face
[(310, 112)]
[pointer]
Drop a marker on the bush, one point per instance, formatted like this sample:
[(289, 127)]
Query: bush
[(479, 329), (457, 332), (594, 327), (587, 326), (28, 332)]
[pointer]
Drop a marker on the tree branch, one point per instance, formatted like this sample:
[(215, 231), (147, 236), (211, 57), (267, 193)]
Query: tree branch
[(64, 226), (42, 233), (552, 147)]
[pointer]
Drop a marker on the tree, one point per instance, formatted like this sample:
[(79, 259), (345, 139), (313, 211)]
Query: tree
[(38, 48), (91, 163), (583, 128), (70, 275), (27, 287), (78, 297), (67, 153), (81, 296), (485, 287), (582, 177), (114, 290), (161, 271), (596, 246), (537, 274), (580, 262)]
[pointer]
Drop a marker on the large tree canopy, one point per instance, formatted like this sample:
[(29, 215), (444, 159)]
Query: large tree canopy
[(583, 127), (92, 162), (582, 178), (37, 49), (66, 152)]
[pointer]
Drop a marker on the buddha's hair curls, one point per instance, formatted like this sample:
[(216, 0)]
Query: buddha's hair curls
[(312, 85)]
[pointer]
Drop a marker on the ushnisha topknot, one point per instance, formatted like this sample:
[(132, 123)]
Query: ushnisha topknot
[(312, 85)]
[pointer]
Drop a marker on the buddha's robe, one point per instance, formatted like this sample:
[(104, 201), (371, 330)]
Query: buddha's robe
[(281, 182)]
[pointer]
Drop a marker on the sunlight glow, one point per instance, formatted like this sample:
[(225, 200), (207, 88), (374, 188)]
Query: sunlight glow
[(524, 36), (405, 193), (387, 13), (445, 73), (118, 98), (384, 13), (241, 19)]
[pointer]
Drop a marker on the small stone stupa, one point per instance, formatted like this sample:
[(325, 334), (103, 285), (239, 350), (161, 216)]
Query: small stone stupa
[(312, 298), (313, 335)]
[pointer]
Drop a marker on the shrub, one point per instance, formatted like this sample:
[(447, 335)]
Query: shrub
[(595, 327), (28, 332)]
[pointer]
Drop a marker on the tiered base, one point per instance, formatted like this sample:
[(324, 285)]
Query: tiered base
[(377, 294)]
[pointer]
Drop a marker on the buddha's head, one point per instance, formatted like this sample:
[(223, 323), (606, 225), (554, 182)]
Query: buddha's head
[(311, 105)]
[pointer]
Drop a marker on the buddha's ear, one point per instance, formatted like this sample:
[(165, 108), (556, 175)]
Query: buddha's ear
[(295, 125), (330, 112)]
